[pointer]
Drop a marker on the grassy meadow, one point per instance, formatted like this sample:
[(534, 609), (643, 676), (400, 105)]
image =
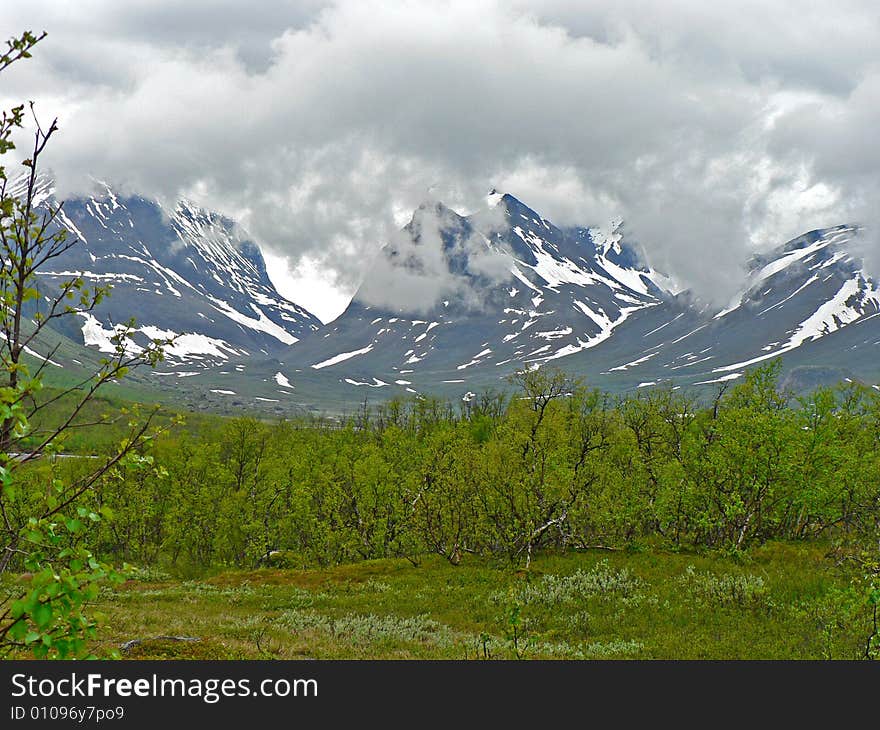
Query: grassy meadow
[(781, 601)]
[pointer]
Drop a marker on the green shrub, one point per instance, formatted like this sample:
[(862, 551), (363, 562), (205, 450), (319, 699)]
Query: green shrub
[(727, 589)]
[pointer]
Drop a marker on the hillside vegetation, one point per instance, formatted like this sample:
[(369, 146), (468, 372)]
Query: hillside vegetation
[(748, 523)]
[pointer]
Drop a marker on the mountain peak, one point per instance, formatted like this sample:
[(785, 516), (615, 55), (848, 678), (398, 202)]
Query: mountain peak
[(493, 197), (433, 212), (181, 271), (823, 246), (433, 206)]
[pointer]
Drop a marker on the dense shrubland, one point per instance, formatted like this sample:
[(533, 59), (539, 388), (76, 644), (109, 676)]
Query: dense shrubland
[(554, 466), (511, 481)]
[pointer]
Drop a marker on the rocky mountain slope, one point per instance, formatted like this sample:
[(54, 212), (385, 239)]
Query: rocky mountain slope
[(512, 289), (584, 300), (454, 304), (182, 272)]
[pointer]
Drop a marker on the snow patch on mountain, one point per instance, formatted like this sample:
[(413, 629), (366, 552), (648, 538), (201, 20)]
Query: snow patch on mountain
[(262, 323), (608, 238), (182, 347), (342, 356)]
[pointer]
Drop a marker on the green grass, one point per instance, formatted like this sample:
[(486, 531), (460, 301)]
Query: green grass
[(772, 604), (104, 421)]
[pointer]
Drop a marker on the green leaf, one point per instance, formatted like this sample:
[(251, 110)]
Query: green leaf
[(42, 614), (18, 631), (31, 637)]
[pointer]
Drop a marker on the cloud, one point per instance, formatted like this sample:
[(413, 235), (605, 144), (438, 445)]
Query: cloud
[(834, 143), (711, 129), (438, 256)]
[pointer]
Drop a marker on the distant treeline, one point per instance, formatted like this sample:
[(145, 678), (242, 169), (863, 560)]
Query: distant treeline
[(554, 465)]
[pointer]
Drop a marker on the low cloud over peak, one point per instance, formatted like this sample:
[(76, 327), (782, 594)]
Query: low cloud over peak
[(713, 131)]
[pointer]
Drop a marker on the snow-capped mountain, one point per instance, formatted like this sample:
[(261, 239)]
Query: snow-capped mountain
[(809, 301), (499, 289), (182, 272), (518, 291), (455, 303), (818, 268)]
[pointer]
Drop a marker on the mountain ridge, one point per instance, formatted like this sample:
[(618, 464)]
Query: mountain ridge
[(454, 303), (182, 271), (598, 310)]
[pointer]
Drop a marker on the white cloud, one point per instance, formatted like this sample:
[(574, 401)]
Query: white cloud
[(709, 128)]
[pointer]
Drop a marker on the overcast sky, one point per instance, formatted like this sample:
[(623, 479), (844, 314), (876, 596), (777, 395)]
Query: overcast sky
[(713, 129)]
